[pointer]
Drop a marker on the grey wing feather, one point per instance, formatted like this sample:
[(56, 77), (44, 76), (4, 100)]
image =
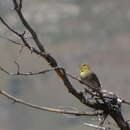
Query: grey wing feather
[(93, 79)]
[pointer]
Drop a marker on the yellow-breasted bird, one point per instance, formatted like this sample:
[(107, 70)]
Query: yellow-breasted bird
[(89, 78)]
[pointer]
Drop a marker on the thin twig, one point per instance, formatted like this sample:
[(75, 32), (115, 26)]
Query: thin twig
[(96, 126), (125, 102), (27, 73), (12, 41), (12, 30)]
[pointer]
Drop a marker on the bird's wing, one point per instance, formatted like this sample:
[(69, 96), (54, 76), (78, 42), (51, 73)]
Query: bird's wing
[(93, 78)]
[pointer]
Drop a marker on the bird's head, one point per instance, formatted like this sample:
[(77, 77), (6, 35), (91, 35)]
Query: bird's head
[(84, 70)]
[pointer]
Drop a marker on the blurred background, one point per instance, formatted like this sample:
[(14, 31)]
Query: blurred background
[(73, 32)]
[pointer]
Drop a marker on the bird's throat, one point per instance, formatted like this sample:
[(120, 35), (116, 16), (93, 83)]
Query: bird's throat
[(84, 74)]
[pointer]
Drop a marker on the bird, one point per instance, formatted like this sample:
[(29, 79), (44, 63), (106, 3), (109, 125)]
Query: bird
[(89, 78)]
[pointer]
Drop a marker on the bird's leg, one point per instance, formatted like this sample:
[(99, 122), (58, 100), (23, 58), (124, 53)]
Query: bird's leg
[(103, 119)]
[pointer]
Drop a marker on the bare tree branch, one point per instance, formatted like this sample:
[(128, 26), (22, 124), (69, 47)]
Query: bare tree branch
[(60, 111), (18, 7), (27, 73), (96, 126), (15, 32)]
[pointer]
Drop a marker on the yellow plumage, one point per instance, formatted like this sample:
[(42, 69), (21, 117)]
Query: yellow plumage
[(89, 77)]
